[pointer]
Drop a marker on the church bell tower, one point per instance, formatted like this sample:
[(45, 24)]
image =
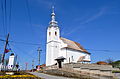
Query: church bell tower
[(53, 41)]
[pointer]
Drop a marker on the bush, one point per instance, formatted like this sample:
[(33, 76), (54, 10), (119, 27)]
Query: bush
[(115, 71)]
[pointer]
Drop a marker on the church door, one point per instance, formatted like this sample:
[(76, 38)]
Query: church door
[(59, 64)]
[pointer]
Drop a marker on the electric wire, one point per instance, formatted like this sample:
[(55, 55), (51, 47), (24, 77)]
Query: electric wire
[(10, 13), (23, 51), (101, 50), (20, 42), (24, 43), (5, 15), (28, 11), (29, 17), (2, 13)]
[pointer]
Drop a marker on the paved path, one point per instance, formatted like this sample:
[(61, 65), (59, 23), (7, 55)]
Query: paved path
[(117, 75), (46, 76)]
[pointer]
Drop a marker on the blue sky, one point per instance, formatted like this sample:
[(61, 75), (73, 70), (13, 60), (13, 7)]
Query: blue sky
[(95, 24)]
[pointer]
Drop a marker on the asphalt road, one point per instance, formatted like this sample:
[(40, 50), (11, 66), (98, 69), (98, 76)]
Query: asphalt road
[(46, 76)]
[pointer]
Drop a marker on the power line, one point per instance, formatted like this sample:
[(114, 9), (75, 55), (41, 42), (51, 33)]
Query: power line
[(2, 40), (21, 42), (28, 9), (3, 21), (29, 17), (24, 43), (5, 15), (24, 52), (10, 13), (104, 50), (6, 19)]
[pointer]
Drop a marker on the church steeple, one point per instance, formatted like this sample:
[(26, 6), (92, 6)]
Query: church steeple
[(53, 41), (53, 22)]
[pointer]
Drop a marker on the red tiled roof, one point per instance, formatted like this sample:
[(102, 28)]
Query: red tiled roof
[(73, 45)]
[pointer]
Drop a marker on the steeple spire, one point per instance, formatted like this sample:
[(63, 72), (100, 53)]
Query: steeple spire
[(52, 9), (53, 22)]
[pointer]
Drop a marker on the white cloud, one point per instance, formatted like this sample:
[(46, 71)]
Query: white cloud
[(92, 18), (46, 3), (97, 15)]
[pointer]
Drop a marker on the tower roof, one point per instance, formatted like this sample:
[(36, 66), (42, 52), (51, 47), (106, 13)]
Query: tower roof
[(53, 22)]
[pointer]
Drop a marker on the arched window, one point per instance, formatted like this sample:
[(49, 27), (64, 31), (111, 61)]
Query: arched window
[(49, 33), (55, 33)]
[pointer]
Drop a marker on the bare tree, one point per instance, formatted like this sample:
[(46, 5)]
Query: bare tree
[(110, 61)]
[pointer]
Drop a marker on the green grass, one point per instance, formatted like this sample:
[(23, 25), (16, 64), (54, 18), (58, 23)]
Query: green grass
[(116, 71)]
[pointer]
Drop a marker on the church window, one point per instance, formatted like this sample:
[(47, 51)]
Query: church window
[(69, 59), (72, 58), (55, 33), (49, 33)]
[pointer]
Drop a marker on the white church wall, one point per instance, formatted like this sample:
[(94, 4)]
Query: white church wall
[(73, 55), (87, 57), (63, 50), (52, 53), (53, 34), (64, 54), (48, 55), (53, 45)]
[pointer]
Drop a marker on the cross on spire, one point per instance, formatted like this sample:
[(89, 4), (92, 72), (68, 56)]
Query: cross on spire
[(53, 22), (52, 9)]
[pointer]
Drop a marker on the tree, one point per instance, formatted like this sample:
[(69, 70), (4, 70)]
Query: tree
[(110, 61), (116, 64)]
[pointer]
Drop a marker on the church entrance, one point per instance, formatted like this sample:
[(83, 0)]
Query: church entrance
[(59, 61), (59, 64)]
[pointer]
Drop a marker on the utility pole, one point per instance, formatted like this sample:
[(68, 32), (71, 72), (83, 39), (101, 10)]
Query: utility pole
[(39, 55), (5, 49), (32, 65), (26, 66)]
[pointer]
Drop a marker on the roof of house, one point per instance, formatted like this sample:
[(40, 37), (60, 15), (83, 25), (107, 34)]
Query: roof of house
[(73, 45)]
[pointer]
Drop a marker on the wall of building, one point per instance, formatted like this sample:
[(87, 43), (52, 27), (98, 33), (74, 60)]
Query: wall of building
[(11, 62), (53, 45), (73, 55)]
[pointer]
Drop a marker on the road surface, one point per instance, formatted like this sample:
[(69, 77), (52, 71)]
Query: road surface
[(117, 75), (46, 76)]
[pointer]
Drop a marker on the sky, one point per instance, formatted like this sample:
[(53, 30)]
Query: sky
[(95, 24)]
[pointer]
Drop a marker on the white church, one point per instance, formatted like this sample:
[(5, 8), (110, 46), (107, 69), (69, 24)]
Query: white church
[(57, 47)]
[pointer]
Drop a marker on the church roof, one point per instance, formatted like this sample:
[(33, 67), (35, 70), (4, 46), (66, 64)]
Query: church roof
[(73, 45)]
